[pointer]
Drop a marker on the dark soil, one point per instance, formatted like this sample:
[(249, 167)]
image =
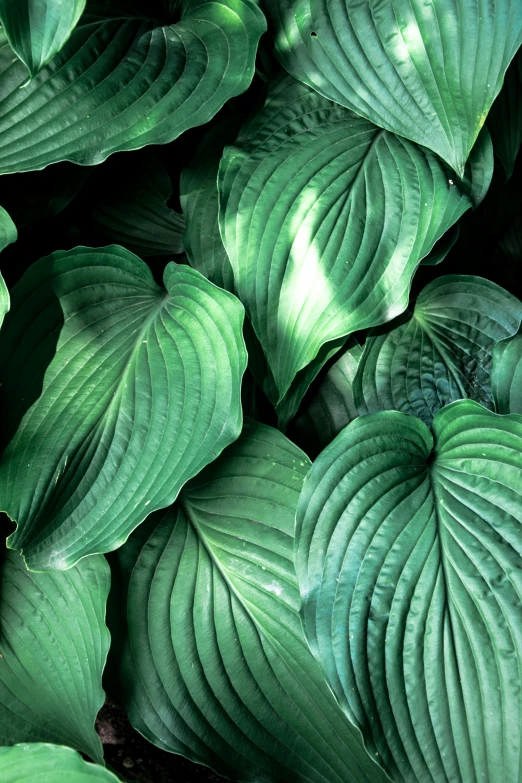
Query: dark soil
[(131, 756)]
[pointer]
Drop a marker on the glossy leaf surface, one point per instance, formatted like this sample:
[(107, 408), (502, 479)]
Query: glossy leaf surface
[(410, 556), (119, 84), (43, 763), (506, 380), (135, 389), (440, 351), (325, 217), (216, 666), (132, 210), (37, 29), (426, 71), (53, 647)]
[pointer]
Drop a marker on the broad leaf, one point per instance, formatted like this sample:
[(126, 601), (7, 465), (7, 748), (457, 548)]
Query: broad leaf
[(505, 119), (4, 299), (216, 666), (325, 218), (135, 389), (42, 763), (119, 84), (199, 202), (410, 555), (428, 72), (8, 232), (442, 247), (331, 407), (53, 647), (440, 351), (37, 29), (506, 378), (130, 206)]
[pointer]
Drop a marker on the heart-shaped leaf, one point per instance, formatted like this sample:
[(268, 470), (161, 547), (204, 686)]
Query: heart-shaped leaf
[(42, 763), (119, 84), (135, 389), (130, 206), (37, 29), (440, 351), (410, 566), (506, 378), (426, 71), (215, 664), (53, 647), (325, 218)]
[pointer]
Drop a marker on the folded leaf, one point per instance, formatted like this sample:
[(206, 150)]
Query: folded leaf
[(216, 666), (331, 407), (410, 564), (119, 84), (37, 29), (442, 247), (505, 118), (53, 647), (325, 218), (130, 206), (426, 71), (506, 378), (440, 351), (135, 389), (41, 763)]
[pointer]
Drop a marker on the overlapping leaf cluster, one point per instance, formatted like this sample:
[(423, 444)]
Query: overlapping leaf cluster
[(331, 220)]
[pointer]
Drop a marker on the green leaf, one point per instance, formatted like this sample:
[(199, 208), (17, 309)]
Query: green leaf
[(428, 72), (8, 232), (53, 647), (37, 29), (442, 247), (199, 202), (4, 299), (440, 351), (505, 118), (135, 389), (332, 406), (41, 763), (131, 207), (216, 666), (325, 218), (410, 570), (506, 378), (120, 84)]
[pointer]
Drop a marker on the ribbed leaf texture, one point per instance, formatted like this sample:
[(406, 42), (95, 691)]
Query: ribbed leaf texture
[(42, 763), (135, 388), (440, 351), (53, 647), (426, 71), (215, 664), (325, 218), (506, 380), (409, 561)]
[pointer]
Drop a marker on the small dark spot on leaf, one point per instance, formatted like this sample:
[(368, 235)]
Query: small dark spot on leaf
[(313, 34)]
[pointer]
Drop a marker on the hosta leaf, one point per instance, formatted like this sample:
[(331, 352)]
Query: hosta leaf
[(442, 247), (325, 217), (42, 763), (440, 351), (53, 647), (131, 209), (505, 118), (410, 555), (216, 666), (332, 406), (119, 84), (37, 29), (199, 202), (427, 71), (4, 299), (479, 172), (142, 392), (506, 378), (8, 232)]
